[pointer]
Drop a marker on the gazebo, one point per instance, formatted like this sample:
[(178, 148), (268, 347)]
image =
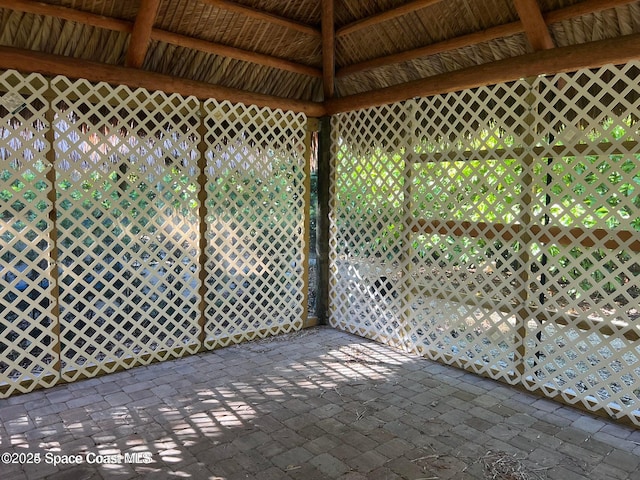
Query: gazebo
[(455, 180)]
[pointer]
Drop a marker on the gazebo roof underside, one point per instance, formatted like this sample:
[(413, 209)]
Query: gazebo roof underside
[(314, 56)]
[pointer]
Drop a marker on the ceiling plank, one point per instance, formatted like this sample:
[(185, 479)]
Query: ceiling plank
[(141, 35), (557, 60), (500, 31), (232, 52), (100, 21), (534, 26), (328, 49), (48, 64), (264, 16), (384, 16), (69, 14), (434, 49)]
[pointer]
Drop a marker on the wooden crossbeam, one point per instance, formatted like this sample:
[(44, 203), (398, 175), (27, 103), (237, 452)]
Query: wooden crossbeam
[(534, 25), (48, 64), (232, 52), (264, 16), (141, 35), (440, 47), (100, 21), (384, 16), (328, 49), (558, 60), (500, 31), (69, 14)]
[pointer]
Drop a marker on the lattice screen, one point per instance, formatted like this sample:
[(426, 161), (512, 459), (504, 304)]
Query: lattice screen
[(369, 194), (28, 341), (255, 217), (586, 246), (128, 226), (105, 181), (498, 229)]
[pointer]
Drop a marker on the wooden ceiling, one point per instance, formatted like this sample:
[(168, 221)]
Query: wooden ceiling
[(320, 57)]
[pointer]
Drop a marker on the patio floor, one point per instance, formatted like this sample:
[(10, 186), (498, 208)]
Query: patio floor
[(316, 404)]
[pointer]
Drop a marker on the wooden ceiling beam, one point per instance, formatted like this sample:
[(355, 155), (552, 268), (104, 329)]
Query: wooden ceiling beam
[(264, 16), (557, 60), (69, 14), (141, 34), (534, 25), (440, 47), (328, 49), (585, 8), (48, 64), (384, 16), (100, 21), (232, 52)]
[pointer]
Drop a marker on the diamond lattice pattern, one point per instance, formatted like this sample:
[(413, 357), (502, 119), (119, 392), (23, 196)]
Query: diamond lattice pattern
[(369, 194), (128, 231), (104, 182), (584, 344), (28, 340), (255, 218), (497, 229)]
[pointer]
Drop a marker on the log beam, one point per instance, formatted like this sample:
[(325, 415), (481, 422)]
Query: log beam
[(440, 47), (141, 35), (263, 16), (384, 16), (493, 33), (534, 25), (558, 60), (114, 24), (69, 14), (48, 64), (232, 52)]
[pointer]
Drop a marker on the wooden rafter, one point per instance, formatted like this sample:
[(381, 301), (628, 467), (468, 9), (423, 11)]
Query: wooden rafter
[(534, 25), (264, 16), (434, 49), (48, 64), (232, 52), (328, 49), (100, 21), (583, 8), (562, 59), (384, 16), (141, 35), (69, 14), (500, 31)]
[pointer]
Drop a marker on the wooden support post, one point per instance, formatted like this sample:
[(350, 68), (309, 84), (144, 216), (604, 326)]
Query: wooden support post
[(328, 49), (524, 256), (322, 226), (204, 226), (312, 126), (53, 250)]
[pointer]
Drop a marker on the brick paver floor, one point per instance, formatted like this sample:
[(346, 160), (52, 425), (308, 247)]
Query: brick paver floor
[(312, 405)]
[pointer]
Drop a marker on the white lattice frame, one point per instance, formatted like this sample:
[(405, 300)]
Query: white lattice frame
[(94, 148), (620, 338), (29, 330)]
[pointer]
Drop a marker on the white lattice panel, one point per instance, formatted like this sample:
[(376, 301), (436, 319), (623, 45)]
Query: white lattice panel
[(584, 345), (28, 340), (465, 211), (367, 222), (518, 215), (255, 218), (128, 239)]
